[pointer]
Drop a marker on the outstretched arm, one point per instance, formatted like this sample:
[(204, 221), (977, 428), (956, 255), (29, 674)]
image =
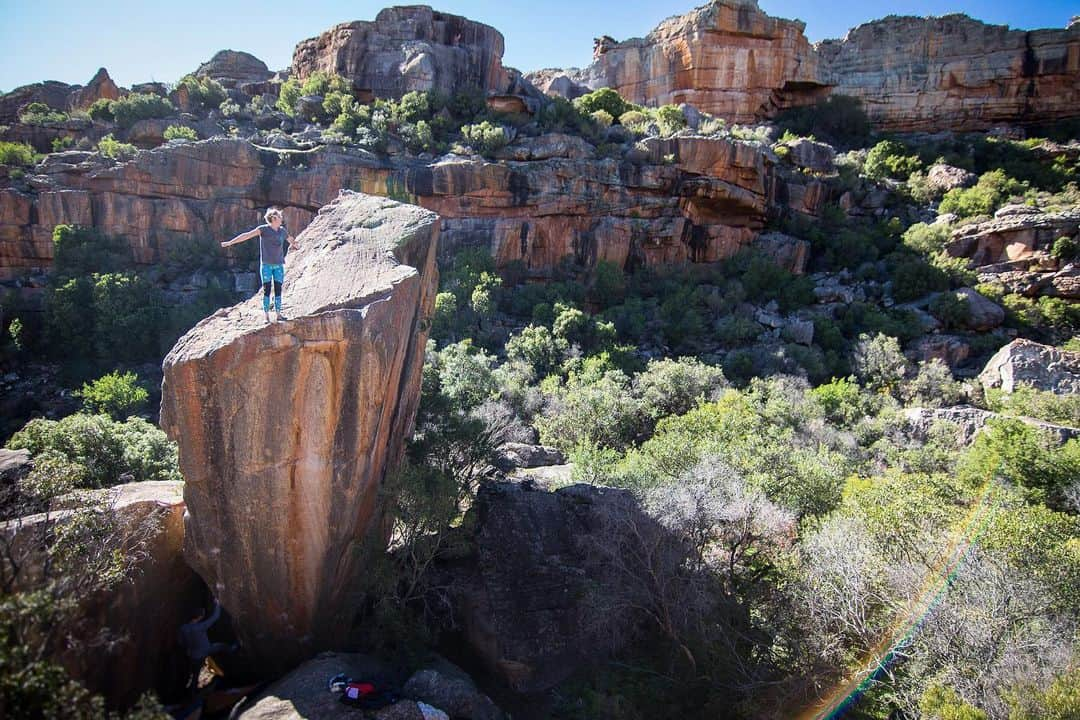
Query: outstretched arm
[(241, 237), (292, 243)]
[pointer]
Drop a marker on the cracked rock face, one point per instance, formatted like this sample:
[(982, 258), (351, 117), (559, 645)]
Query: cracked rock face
[(287, 430)]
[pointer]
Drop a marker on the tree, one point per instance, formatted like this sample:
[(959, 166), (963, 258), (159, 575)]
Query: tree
[(116, 395)]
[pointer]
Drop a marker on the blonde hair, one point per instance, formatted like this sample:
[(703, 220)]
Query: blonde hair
[(273, 212)]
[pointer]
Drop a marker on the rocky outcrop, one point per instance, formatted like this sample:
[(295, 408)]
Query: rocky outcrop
[(727, 58), (100, 87), (52, 93), (730, 59), (407, 48), (1015, 234), (681, 199), (953, 72), (1024, 362), (232, 68), (969, 421), (287, 430), (521, 599), (143, 612)]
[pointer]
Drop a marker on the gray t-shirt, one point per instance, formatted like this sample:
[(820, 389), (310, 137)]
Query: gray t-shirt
[(272, 245)]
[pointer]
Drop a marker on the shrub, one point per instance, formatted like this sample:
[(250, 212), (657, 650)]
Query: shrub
[(602, 413), (16, 153), (174, 132), (486, 137), (465, 375), (289, 93), (673, 387), (106, 451), (116, 395), (602, 118), (140, 106), (889, 159), (101, 110), (932, 386), (670, 119), (633, 119), (914, 278), (927, 239), (992, 190), (1030, 402), (878, 362), (1066, 249), (419, 137), (127, 316), (604, 99), (1024, 456), (60, 143), (112, 148), (321, 83), (37, 113), (538, 347), (205, 93), (951, 309)]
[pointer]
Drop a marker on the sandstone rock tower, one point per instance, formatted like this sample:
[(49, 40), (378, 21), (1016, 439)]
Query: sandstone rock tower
[(287, 430)]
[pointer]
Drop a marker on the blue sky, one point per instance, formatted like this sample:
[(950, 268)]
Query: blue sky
[(140, 40)]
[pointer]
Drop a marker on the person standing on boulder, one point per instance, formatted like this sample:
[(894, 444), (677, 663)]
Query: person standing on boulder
[(272, 238)]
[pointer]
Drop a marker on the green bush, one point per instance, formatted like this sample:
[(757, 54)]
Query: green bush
[(112, 148), (927, 239), (205, 93), (140, 106), (670, 119), (602, 118), (116, 395), (174, 132), (1030, 402), (604, 99), (59, 144), (603, 413), (914, 278), (878, 362), (37, 113), (16, 153), (1066, 249), (321, 83), (951, 308), (673, 387), (486, 137), (127, 316), (992, 190), (539, 348), (1024, 456), (101, 110), (890, 159), (289, 93), (107, 452)]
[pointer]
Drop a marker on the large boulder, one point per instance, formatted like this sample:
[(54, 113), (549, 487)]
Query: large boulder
[(983, 314), (448, 688), (1024, 362), (141, 613), (233, 68), (407, 48), (303, 693), (521, 599), (287, 430)]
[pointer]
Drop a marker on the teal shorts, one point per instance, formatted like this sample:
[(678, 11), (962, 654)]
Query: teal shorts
[(275, 273)]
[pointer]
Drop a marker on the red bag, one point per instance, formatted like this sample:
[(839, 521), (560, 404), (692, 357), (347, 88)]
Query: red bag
[(357, 690)]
